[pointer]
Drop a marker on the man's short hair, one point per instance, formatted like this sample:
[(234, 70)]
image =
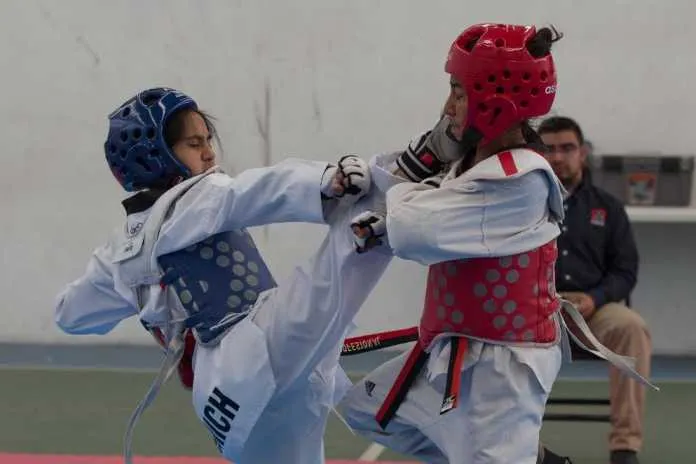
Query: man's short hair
[(561, 123)]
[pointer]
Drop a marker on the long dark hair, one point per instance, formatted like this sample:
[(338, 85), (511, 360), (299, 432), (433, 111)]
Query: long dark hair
[(173, 133), (174, 128)]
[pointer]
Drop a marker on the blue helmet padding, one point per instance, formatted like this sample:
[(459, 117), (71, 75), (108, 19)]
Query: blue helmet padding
[(135, 147)]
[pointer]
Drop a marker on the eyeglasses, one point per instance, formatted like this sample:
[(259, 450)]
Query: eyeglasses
[(563, 149)]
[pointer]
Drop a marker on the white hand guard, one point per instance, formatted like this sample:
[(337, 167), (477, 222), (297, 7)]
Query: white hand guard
[(430, 153), (355, 177), (372, 222)]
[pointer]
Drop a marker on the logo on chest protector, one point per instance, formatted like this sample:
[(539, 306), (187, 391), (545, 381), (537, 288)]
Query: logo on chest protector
[(218, 414)]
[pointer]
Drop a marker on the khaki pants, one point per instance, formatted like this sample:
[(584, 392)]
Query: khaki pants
[(624, 331)]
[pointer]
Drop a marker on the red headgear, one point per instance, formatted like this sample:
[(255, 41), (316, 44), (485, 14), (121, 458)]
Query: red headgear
[(504, 83)]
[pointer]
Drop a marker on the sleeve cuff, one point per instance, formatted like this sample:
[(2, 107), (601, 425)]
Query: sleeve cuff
[(598, 296), (381, 169)]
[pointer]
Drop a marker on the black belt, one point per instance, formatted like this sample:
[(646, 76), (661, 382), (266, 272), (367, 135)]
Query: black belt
[(412, 367)]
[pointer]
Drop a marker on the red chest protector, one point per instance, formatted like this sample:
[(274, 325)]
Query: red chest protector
[(508, 299)]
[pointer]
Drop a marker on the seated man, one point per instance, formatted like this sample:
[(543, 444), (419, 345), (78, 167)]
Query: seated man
[(596, 270)]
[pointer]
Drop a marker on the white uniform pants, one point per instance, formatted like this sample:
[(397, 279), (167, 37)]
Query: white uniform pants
[(503, 393), (266, 390)]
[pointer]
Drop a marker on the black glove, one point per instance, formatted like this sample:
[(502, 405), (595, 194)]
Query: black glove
[(430, 153), (435, 180)]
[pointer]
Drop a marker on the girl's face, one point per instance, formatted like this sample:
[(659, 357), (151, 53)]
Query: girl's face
[(456, 107), (194, 147)]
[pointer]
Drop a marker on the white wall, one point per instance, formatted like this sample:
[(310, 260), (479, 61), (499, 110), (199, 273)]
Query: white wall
[(357, 75), (665, 292)]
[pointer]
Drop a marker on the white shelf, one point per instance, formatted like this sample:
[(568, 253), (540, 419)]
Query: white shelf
[(661, 214)]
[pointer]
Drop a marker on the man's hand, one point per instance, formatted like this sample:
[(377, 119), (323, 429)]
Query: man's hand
[(582, 301), (368, 229)]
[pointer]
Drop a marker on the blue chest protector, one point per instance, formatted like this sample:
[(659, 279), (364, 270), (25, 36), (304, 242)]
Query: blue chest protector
[(217, 281)]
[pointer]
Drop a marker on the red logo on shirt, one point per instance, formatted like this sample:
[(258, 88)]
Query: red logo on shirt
[(598, 217)]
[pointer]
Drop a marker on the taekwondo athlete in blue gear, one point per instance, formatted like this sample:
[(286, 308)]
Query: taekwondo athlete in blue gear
[(266, 360)]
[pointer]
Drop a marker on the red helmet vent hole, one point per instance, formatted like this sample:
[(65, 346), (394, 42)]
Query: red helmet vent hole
[(491, 78), (515, 89), (478, 87), (507, 74), (526, 76), (543, 76), (534, 91), (499, 90), (499, 43), (524, 103)]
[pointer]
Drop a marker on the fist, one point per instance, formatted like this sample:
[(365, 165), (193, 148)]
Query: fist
[(368, 229), (352, 178), (431, 153), (444, 140)]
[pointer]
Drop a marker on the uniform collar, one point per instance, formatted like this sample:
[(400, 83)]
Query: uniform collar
[(142, 201)]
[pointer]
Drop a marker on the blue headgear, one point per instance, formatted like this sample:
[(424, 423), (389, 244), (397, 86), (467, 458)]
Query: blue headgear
[(135, 147)]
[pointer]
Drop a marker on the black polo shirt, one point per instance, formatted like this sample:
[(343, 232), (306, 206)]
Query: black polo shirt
[(597, 252)]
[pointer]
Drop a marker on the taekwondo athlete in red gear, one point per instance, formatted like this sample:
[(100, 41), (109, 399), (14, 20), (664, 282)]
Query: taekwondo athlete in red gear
[(474, 387), (265, 362)]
